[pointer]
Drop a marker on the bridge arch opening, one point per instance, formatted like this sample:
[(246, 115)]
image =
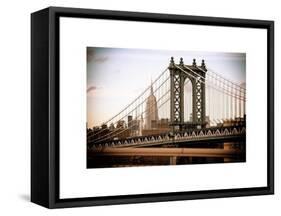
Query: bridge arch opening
[(188, 100)]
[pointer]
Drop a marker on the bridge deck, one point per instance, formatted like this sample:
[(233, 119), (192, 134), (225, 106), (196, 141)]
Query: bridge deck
[(178, 152), (199, 135)]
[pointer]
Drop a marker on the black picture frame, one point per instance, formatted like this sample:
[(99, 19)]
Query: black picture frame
[(45, 106)]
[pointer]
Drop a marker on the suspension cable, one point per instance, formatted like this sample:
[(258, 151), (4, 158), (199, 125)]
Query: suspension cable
[(105, 137), (225, 91), (142, 102)]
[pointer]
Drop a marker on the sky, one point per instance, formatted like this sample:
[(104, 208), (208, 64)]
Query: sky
[(115, 76)]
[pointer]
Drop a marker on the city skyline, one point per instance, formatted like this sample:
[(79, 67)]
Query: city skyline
[(134, 68), (159, 107)]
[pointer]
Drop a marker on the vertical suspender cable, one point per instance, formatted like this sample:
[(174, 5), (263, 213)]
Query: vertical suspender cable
[(231, 102)]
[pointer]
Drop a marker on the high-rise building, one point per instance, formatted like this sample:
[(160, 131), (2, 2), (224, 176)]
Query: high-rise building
[(130, 121), (151, 114)]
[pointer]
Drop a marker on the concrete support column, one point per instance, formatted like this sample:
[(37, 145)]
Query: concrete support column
[(227, 146), (173, 160)]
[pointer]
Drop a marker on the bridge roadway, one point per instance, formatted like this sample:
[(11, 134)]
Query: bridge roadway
[(214, 134), (170, 152)]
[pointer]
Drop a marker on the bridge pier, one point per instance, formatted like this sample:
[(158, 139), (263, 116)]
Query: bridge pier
[(228, 146), (173, 160)]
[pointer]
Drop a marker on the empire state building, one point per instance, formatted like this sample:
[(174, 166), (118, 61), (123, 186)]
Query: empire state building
[(151, 117)]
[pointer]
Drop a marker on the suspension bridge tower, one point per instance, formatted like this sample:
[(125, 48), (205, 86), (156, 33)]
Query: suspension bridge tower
[(196, 74)]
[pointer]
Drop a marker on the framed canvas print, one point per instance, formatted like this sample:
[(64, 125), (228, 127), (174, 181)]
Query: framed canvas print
[(132, 107)]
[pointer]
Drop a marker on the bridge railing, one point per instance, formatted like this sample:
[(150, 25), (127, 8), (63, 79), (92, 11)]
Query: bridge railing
[(192, 134)]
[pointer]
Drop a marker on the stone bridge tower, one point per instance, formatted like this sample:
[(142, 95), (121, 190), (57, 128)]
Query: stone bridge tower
[(196, 74)]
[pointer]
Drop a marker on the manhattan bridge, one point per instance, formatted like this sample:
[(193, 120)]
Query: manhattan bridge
[(188, 114)]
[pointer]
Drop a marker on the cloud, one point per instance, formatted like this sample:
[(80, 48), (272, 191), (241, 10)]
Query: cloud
[(92, 56), (91, 88), (101, 59)]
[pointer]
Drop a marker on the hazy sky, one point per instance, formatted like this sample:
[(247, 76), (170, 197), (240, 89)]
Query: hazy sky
[(116, 76)]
